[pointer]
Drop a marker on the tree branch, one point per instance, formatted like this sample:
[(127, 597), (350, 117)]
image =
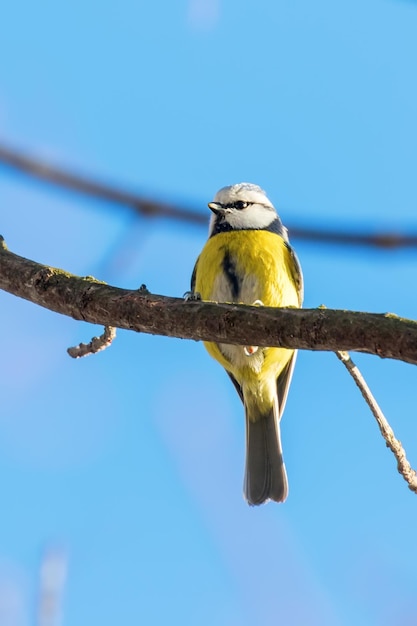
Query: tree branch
[(89, 300), (141, 205), (403, 465), (149, 207)]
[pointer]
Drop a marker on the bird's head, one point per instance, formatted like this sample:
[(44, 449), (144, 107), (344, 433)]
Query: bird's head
[(241, 207)]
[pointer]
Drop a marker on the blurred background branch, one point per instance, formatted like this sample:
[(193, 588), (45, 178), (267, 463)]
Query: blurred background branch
[(52, 580), (39, 169)]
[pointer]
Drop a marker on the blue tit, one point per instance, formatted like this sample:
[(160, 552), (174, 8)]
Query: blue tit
[(248, 259)]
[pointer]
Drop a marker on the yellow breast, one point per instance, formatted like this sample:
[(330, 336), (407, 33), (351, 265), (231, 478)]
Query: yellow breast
[(247, 265), (243, 267)]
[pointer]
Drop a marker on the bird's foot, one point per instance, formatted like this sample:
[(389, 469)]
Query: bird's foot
[(250, 350), (192, 296)]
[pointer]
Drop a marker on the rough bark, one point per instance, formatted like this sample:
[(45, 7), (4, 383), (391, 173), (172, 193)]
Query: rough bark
[(87, 299)]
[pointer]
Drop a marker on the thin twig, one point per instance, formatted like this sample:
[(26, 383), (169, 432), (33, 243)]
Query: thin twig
[(96, 344), (403, 465)]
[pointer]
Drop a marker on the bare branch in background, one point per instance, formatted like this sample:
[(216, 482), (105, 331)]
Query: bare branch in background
[(89, 300), (97, 189), (403, 465), (52, 579), (149, 207)]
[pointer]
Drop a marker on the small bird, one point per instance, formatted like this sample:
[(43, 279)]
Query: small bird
[(248, 259)]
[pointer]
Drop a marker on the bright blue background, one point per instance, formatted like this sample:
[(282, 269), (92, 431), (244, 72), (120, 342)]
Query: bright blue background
[(133, 459)]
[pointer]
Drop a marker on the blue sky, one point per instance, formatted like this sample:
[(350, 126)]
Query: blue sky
[(133, 459)]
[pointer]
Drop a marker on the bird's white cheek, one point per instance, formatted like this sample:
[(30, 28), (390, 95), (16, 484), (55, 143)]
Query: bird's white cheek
[(254, 217)]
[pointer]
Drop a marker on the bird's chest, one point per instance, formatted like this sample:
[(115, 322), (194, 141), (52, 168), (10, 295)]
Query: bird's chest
[(250, 267), (232, 285), (244, 266)]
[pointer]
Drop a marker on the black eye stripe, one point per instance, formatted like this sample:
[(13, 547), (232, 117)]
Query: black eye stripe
[(239, 205)]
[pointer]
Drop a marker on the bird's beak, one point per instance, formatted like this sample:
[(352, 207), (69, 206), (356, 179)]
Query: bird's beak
[(216, 207)]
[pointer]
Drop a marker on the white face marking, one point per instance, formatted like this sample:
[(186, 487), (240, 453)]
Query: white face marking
[(259, 213)]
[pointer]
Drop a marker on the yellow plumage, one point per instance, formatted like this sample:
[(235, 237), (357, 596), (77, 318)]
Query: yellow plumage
[(265, 263)]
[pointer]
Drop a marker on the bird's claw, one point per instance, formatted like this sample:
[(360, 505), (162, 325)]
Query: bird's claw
[(143, 290), (192, 296)]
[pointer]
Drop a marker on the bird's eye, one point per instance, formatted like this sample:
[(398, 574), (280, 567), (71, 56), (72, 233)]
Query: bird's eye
[(240, 204)]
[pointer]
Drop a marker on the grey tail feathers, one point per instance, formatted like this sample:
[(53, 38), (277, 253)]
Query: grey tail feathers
[(265, 475)]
